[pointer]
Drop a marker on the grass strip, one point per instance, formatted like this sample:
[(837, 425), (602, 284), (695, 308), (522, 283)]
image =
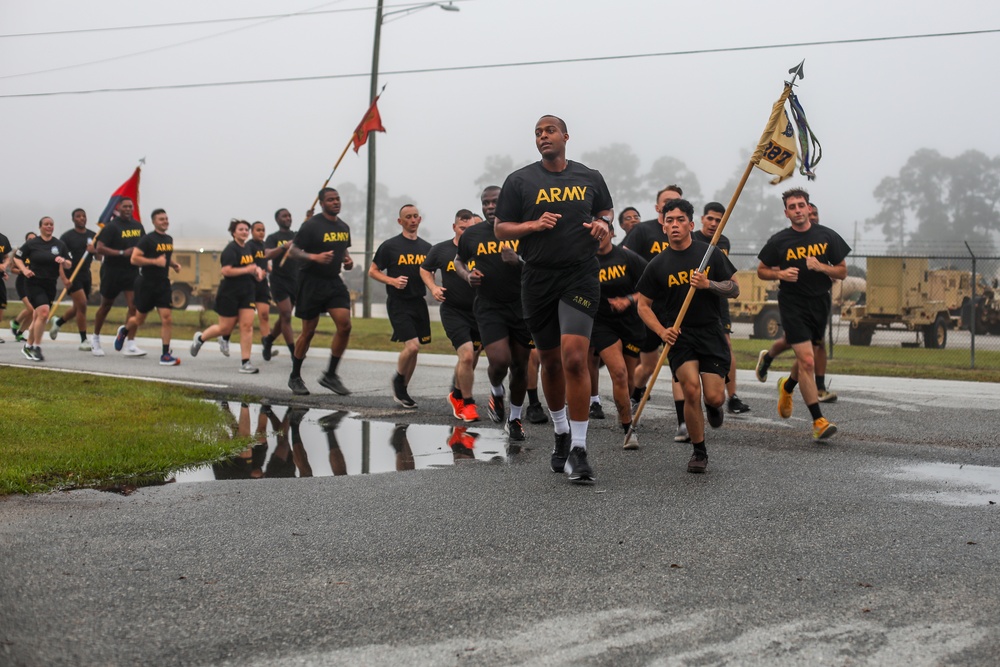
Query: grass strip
[(60, 431)]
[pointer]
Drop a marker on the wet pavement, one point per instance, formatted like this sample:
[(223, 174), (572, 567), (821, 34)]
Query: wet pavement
[(786, 552)]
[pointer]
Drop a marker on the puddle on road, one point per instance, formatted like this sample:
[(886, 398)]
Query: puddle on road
[(953, 483), (306, 442)]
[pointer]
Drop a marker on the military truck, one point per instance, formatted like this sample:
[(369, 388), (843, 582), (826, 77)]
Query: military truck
[(198, 278), (757, 304), (903, 294)]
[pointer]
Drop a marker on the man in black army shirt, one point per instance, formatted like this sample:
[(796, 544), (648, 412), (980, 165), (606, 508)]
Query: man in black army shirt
[(699, 357), (456, 297), (560, 210), (494, 270), (115, 244), (320, 248), (396, 265), (284, 279), (80, 242)]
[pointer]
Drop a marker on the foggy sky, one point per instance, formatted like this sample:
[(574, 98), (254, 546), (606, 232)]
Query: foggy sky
[(244, 151)]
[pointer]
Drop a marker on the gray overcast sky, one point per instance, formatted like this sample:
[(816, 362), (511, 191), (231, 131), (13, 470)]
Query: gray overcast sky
[(244, 151)]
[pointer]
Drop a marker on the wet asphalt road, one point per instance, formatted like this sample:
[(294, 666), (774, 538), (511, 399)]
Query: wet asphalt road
[(858, 551)]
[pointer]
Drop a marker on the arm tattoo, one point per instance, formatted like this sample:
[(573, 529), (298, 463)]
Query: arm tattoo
[(726, 288)]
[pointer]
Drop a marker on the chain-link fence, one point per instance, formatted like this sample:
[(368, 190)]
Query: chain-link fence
[(940, 309)]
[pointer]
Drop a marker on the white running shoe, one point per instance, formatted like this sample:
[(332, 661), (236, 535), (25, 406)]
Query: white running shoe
[(224, 347), (95, 346), (85, 346), (54, 331), (133, 352)]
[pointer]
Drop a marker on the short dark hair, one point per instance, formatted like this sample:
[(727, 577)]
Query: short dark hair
[(715, 207), (125, 199), (464, 214), (236, 222), (258, 222), (75, 211), (683, 204), (794, 192), (400, 214), (812, 205), (43, 218), (670, 188), (278, 212), (324, 191), (490, 188), (621, 216), (559, 121), (156, 212)]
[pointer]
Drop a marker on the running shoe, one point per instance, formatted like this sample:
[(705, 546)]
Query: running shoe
[(85, 346), (456, 405), (535, 413), (248, 368), (827, 396), (560, 452), (470, 413), (400, 395), (54, 331), (224, 347), (577, 467), (196, 344), (715, 416), (120, 338), (95, 346), (784, 400), (514, 430), (36, 353), (332, 382), (823, 429), (698, 463), (265, 348), (682, 434), (169, 359), (763, 363), (297, 386), (736, 406), (596, 411), (495, 409), (26, 351), (133, 351), (633, 441)]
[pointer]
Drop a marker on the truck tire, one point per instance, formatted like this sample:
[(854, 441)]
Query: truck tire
[(936, 334), (180, 297), (860, 334), (768, 325)]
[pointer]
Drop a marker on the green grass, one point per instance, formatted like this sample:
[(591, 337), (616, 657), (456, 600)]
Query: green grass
[(63, 431)]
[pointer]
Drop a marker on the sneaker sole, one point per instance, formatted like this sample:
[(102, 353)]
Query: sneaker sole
[(825, 435), (342, 391), (176, 362), (830, 398), (406, 406), (299, 392), (760, 359), (582, 478)]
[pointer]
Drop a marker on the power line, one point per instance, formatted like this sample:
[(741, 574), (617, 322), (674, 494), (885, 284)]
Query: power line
[(531, 63), (164, 47), (175, 24)]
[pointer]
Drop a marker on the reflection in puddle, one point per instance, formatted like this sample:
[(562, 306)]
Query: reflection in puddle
[(954, 484), (303, 442)]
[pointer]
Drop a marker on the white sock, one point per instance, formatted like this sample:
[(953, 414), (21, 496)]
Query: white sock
[(595, 399), (579, 431), (496, 389), (559, 421), (515, 412)]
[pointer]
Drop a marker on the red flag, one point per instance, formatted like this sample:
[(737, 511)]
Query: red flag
[(130, 189), (372, 122)]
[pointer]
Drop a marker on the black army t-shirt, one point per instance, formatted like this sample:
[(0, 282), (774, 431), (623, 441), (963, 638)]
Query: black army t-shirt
[(153, 246), (667, 280), (790, 248), (400, 256), (620, 272), (40, 256), (77, 244), (458, 293), (281, 267), (238, 257), (479, 249), (318, 235), (647, 239), (577, 193), (121, 234)]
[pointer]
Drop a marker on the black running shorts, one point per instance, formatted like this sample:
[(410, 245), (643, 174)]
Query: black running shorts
[(706, 345), (41, 292), (460, 326), (21, 286), (318, 296), (410, 319), (262, 293), (804, 318), (151, 293), (498, 320), (284, 288), (232, 298), (116, 281), (629, 330), (543, 289), (84, 281)]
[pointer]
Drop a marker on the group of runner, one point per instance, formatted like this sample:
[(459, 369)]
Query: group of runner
[(535, 283)]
